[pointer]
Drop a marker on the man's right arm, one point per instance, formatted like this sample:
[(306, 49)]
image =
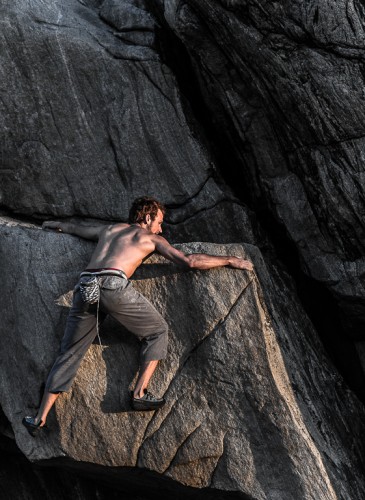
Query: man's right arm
[(87, 232)]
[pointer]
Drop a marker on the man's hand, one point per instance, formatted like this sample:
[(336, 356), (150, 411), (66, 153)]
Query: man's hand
[(238, 263), (52, 225)]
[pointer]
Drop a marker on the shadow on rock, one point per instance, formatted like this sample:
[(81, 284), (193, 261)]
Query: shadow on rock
[(118, 344)]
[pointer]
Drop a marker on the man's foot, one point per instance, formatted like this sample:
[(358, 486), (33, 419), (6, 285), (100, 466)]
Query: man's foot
[(32, 427), (147, 402)]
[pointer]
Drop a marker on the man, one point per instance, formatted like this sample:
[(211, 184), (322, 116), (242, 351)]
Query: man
[(121, 248)]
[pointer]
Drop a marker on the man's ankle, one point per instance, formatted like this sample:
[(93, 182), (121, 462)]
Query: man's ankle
[(139, 394), (38, 420)]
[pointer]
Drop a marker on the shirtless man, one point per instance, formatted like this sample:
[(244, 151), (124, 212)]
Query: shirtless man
[(121, 248)]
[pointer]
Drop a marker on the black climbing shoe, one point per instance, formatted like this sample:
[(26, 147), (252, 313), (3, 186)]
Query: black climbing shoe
[(31, 426), (147, 402)]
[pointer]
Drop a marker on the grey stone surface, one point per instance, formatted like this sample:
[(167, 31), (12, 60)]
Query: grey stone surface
[(92, 116), (90, 121), (284, 82), (252, 403)]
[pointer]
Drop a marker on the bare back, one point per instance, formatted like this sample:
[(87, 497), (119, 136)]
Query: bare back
[(122, 246)]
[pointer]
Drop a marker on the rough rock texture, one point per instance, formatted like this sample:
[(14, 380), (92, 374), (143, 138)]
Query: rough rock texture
[(92, 115), (91, 121), (99, 104), (253, 404), (284, 83)]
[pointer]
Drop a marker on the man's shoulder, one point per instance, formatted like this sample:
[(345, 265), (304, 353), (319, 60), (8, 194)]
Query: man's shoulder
[(118, 226), (160, 241), (152, 240)]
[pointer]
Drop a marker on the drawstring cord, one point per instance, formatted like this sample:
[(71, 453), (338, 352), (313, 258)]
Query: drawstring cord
[(97, 322)]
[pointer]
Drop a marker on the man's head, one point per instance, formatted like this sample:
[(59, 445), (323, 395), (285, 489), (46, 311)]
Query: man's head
[(147, 212)]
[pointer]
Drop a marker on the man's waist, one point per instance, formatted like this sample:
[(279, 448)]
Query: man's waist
[(104, 271)]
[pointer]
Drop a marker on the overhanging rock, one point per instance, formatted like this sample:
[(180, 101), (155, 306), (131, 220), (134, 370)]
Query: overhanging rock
[(252, 402)]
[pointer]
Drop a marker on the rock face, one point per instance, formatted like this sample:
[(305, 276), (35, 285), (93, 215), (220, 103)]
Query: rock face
[(91, 121), (253, 406), (284, 83), (99, 105)]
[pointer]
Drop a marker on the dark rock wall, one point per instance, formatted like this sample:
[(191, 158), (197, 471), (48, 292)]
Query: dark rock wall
[(91, 121), (284, 84), (246, 119)]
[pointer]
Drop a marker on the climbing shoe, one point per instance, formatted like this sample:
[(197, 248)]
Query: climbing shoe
[(147, 402)]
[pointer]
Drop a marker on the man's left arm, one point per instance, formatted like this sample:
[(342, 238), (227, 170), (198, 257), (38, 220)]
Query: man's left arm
[(199, 260)]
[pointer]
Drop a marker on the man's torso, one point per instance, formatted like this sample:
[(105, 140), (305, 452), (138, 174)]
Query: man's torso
[(122, 246)]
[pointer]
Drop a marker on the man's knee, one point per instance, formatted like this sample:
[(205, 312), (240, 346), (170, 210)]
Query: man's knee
[(164, 327), (155, 345), (160, 331), (164, 336)]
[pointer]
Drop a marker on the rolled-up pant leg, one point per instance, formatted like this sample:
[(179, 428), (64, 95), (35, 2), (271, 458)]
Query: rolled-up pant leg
[(79, 334), (138, 315)]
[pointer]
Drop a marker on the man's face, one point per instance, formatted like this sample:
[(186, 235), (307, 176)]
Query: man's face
[(155, 226)]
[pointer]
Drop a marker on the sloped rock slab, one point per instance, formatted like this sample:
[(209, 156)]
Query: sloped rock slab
[(252, 403)]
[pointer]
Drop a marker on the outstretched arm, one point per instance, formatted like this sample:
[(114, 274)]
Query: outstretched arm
[(199, 260), (87, 232)]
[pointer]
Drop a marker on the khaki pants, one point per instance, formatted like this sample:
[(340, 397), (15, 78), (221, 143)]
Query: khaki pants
[(119, 299)]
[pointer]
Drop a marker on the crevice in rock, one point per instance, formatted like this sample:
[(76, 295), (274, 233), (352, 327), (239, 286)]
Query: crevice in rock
[(219, 323), (36, 218), (317, 301), (180, 447), (220, 459), (191, 197), (199, 211), (317, 145), (47, 23), (300, 36), (321, 308), (129, 57), (152, 421), (143, 70)]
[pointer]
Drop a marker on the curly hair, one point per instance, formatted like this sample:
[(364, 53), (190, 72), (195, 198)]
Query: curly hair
[(141, 207)]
